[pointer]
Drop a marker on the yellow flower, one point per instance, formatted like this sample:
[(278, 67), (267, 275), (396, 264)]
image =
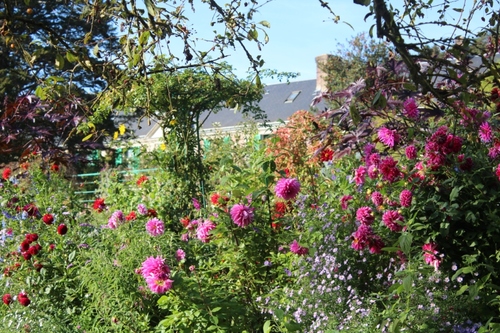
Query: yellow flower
[(163, 146), (173, 122), (122, 129), (115, 136)]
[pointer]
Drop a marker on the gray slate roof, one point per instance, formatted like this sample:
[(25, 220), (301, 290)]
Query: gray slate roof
[(273, 103)]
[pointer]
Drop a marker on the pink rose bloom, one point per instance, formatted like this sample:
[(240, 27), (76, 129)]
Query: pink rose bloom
[(203, 230), (388, 137), (287, 188), (391, 219), (405, 198), (155, 227), (241, 215)]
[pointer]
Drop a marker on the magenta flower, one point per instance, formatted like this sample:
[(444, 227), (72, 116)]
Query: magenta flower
[(287, 188), (365, 215), (359, 175), (377, 198), (375, 244), (155, 266), (203, 230), (241, 215), (405, 198), (361, 237), (115, 220), (391, 219), (430, 251), (411, 152), (411, 108), (485, 134), (180, 254), (372, 171), (297, 249), (497, 172), (159, 286), (344, 201), (196, 204), (388, 169), (388, 137), (141, 208), (155, 227)]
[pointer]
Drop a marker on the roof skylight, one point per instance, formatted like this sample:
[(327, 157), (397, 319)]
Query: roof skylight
[(292, 96)]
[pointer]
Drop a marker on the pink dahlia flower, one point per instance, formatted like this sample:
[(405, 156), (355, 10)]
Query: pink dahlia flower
[(377, 198), (155, 266), (405, 198), (203, 230), (180, 254), (361, 237), (485, 134), (365, 215), (411, 108), (141, 208), (297, 249), (430, 251), (287, 188), (159, 286), (359, 175), (155, 227), (391, 219), (241, 215), (388, 137), (344, 201), (411, 152)]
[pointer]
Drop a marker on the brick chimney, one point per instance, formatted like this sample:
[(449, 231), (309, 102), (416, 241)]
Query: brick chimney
[(320, 73)]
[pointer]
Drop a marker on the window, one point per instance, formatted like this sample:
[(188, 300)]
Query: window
[(292, 96)]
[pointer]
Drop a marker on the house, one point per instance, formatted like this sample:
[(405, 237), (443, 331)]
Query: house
[(279, 102)]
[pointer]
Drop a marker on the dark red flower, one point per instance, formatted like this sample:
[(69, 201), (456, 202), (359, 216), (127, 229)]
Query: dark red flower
[(326, 155), (54, 167), (152, 212), (6, 173), (23, 299), (494, 94), (48, 219), (51, 247), (31, 209), (99, 204), (31, 238), (62, 229), (7, 299), (27, 255), (25, 245), (33, 250), (38, 266)]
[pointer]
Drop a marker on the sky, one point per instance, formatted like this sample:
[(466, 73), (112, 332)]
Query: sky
[(301, 30)]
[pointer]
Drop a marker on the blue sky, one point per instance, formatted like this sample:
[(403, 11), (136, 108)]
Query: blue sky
[(301, 30)]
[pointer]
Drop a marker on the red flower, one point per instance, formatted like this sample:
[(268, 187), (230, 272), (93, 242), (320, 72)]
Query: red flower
[(23, 299), (52, 247), (99, 204), (33, 250), (38, 266), (31, 209), (48, 219), (30, 238), (152, 212), (62, 229), (25, 245), (130, 217), (27, 255), (6, 173), (54, 167), (141, 180), (185, 221), (7, 299), (326, 155)]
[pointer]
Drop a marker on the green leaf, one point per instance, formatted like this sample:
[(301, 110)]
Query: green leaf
[(462, 290), (267, 327), (59, 61), (265, 24), (216, 309), (87, 137), (71, 256), (143, 38), (407, 283), (362, 2), (405, 242), (454, 193), (71, 57)]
